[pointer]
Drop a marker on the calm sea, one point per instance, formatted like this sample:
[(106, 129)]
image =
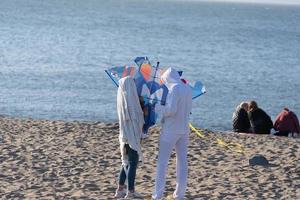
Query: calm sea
[(53, 54)]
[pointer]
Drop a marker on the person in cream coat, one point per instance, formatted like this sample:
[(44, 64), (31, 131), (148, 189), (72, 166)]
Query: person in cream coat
[(131, 121)]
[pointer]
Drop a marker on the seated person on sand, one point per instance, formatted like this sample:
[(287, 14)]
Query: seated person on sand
[(286, 122), (260, 121), (240, 120), (131, 121)]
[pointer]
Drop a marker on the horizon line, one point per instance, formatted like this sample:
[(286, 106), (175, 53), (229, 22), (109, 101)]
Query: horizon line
[(267, 2)]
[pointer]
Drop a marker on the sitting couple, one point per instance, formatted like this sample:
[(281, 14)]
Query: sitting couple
[(249, 118), (174, 134)]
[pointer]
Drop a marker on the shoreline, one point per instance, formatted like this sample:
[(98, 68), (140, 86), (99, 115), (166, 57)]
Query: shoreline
[(44, 159), (85, 121)]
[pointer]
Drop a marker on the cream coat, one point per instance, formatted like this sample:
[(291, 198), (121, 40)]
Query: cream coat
[(131, 118)]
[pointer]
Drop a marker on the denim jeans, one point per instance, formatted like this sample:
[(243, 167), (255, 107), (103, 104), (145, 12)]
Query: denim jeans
[(133, 159)]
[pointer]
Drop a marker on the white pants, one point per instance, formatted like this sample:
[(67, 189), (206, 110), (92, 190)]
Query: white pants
[(167, 142)]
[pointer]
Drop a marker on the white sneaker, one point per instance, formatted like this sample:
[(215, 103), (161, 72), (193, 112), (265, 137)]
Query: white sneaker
[(120, 193), (130, 195)]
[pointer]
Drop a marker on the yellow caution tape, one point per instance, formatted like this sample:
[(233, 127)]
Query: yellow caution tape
[(199, 133), (233, 146)]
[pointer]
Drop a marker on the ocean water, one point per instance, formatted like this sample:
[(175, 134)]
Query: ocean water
[(53, 54)]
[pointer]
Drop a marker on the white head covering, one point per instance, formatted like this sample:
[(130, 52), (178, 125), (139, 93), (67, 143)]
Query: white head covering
[(131, 117), (170, 78), (127, 100)]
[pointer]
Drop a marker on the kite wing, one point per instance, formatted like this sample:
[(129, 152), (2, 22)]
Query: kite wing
[(198, 89), (116, 73)]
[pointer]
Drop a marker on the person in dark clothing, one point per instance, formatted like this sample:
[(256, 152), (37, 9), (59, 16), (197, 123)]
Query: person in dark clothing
[(286, 122), (260, 121), (240, 120)]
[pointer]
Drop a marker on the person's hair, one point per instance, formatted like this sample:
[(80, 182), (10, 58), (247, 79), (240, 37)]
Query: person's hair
[(286, 109), (252, 105), (244, 105)]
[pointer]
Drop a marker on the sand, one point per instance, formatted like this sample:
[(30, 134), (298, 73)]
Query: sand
[(41, 159)]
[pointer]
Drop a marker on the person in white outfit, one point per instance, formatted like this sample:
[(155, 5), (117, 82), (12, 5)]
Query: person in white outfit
[(174, 134), (131, 121)]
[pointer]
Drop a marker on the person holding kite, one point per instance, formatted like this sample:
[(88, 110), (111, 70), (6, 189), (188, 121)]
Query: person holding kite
[(131, 121), (174, 133)]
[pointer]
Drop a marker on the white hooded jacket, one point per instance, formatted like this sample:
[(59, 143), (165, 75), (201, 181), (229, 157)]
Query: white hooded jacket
[(131, 117), (175, 114)]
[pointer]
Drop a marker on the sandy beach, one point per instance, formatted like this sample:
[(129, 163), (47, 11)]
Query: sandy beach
[(43, 159)]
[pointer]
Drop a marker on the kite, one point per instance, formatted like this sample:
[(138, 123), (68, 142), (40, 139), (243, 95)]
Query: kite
[(150, 88)]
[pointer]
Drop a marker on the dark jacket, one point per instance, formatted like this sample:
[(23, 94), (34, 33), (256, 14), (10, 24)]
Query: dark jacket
[(261, 123), (240, 121)]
